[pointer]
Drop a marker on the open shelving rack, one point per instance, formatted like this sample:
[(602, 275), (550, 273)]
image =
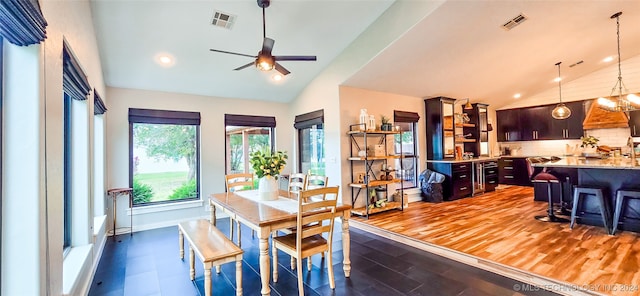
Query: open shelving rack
[(371, 179)]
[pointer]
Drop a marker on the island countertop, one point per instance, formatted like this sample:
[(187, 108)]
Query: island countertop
[(592, 163)]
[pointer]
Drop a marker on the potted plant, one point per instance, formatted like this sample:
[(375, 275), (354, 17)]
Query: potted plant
[(589, 143), (386, 125), (267, 167)]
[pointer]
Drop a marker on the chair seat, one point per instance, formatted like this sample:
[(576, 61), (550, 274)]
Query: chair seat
[(544, 176), (311, 242)]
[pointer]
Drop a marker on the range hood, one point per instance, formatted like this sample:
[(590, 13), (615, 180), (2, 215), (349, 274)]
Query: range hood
[(599, 118)]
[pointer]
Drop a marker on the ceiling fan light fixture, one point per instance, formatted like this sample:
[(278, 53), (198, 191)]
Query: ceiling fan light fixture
[(265, 63), (561, 111), (619, 102)]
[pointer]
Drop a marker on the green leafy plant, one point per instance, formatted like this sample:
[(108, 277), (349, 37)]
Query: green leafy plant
[(187, 190), (589, 141), (384, 119), (142, 193), (265, 163)]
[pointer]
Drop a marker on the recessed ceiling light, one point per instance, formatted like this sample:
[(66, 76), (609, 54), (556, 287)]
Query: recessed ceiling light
[(164, 59), (557, 79), (517, 96), (276, 77), (608, 59)]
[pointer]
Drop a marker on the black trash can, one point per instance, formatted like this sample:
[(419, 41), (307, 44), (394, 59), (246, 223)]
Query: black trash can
[(431, 186)]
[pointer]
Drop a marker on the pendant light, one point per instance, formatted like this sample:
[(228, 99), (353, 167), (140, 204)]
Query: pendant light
[(619, 102), (468, 106), (561, 111)]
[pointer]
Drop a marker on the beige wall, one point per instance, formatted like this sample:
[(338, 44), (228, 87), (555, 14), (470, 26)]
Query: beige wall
[(212, 142)]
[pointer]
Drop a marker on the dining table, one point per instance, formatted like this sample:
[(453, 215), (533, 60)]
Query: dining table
[(265, 217)]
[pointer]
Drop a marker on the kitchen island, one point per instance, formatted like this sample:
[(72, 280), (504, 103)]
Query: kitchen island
[(466, 177), (611, 174)]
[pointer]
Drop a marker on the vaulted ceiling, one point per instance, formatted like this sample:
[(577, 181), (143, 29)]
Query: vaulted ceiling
[(459, 50)]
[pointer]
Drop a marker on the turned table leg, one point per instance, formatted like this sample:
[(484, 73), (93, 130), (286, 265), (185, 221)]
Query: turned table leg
[(265, 268), (181, 243), (346, 246)]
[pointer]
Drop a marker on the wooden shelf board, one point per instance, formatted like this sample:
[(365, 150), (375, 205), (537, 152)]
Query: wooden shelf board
[(374, 157), (374, 183), (465, 125), (389, 206), (465, 140), (372, 133)]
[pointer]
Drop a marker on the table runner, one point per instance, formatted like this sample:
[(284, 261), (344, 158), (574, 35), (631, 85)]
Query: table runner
[(282, 203)]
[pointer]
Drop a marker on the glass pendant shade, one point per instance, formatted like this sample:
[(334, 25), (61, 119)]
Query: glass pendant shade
[(561, 111)]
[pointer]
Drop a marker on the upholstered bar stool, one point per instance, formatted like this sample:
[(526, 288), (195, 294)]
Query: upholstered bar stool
[(549, 179), (621, 197), (580, 191)]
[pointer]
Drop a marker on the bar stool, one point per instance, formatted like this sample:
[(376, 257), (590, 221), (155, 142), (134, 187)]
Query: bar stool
[(583, 190), (544, 177), (621, 197)]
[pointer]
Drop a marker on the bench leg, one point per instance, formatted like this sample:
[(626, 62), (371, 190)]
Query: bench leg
[(181, 243), (192, 263), (212, 220), (207, 279), (239, 275)]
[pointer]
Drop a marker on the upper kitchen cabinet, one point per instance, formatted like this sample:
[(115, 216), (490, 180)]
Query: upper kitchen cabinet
[(440, 127), (536, 123), (570, 128), (634, 123), (508, 122)]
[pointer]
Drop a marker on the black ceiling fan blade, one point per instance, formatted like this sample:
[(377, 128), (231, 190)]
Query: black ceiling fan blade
[(235, 53), (281, 69), (295, 58), (244, 66), (267, 45)]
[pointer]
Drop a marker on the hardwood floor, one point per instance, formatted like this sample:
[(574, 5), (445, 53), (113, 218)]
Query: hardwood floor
[(500, 227)]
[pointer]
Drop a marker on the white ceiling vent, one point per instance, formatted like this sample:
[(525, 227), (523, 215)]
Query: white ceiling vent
[(512, 23), (223, 19)]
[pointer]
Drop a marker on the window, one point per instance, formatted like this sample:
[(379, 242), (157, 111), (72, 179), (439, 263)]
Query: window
[(76, 147), (245, 134), (310, 128), (406, 142), (164, 149)]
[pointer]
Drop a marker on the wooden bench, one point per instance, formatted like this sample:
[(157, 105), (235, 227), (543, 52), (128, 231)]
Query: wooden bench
[(212, 247)]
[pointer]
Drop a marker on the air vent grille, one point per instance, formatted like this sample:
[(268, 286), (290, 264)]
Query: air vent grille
[(512, 23), (223, 20)]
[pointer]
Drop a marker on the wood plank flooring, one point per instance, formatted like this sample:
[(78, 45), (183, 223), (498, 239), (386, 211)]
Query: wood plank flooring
[(500, 227)]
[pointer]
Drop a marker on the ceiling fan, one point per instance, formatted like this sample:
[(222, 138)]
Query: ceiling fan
[(265, 61)]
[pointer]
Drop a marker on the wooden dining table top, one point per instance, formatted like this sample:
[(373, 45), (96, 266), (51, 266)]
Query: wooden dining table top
[(260, 214)]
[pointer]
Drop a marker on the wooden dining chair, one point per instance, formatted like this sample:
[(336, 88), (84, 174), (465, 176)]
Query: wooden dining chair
[(233, 183), (297, 181), (314, 221)]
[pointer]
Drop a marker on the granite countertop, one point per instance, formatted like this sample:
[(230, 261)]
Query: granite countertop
[(592, 163), (475, 159)]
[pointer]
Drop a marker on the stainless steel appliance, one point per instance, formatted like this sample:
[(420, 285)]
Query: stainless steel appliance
[(484, 176)]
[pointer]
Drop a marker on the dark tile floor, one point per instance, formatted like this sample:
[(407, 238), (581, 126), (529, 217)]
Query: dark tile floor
[(147, 263)]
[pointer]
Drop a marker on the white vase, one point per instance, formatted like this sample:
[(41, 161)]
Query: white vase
[(268, 188)]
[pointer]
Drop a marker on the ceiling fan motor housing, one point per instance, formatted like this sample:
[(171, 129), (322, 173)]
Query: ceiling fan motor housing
[(264, 3)]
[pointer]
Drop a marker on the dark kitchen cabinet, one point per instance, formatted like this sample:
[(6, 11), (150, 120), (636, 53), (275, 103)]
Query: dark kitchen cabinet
[(634, 123), (508, 122), (570, 128), (477, 129), (513, 171), (458, 180), (536, 123), (440, 127)]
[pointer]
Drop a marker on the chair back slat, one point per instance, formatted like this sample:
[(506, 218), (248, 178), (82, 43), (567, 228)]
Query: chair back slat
[(297, 182), (238, 182), (318, 213), (316, 181)]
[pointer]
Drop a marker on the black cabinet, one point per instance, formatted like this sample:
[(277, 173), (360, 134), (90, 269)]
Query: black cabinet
[(536, 123), (440, 127), (477, 129), (490, 175), (513, 171), (458, 179), (508, 122), (634, 123)]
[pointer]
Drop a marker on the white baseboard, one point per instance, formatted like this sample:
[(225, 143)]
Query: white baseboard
[(138, 227)]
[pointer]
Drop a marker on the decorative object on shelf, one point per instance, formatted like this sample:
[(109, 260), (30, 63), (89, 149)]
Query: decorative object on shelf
[(619, 103), (267, 167), (386, 125), (561, 111), (364, 119), (371, 124)]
